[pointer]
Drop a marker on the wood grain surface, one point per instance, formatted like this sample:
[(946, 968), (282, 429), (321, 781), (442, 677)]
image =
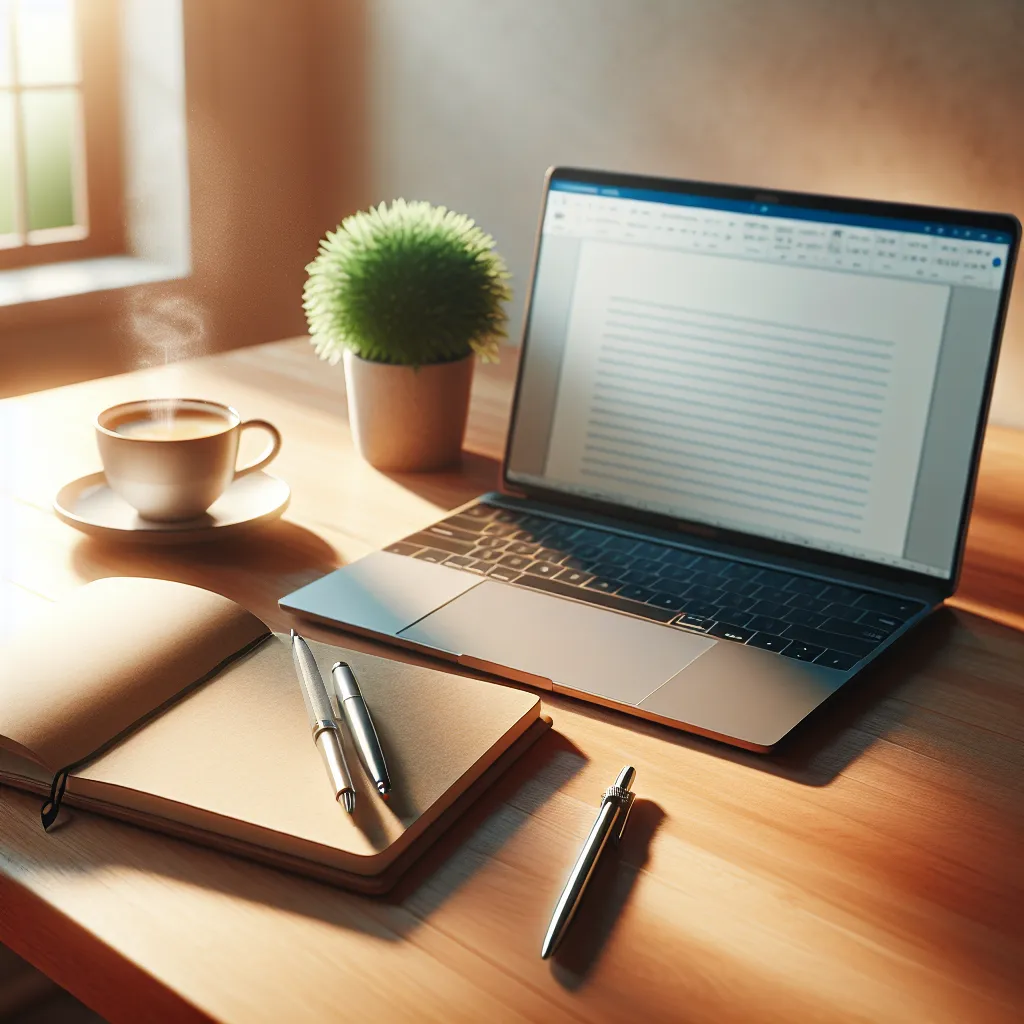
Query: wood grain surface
[(871, 871)]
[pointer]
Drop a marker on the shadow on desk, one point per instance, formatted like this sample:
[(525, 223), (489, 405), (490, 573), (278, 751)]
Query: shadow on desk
[(476, 475), (468, 846), (829, 740), (278, 557)]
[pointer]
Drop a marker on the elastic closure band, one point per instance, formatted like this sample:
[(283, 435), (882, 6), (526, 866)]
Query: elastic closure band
[(51, 808)]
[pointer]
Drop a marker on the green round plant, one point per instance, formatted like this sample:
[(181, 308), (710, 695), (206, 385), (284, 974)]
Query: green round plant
[(409, 284)]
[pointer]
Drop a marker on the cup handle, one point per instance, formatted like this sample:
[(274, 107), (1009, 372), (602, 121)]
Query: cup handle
[(269, 453)]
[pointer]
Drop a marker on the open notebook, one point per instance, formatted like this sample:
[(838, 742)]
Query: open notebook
[(176, 709)]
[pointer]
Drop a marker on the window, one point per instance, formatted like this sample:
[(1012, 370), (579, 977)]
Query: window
[(60, 157)]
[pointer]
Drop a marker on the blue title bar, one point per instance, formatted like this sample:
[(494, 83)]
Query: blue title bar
[(789, 212)]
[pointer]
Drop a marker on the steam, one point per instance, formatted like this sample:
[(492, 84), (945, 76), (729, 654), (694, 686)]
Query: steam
[(164, 331)]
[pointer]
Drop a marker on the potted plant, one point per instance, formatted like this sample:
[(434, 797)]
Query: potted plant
[(407, 295)]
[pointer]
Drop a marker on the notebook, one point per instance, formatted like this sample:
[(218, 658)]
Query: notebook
[(178, 710)]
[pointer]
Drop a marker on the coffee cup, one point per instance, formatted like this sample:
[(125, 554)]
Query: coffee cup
[(171, 459)]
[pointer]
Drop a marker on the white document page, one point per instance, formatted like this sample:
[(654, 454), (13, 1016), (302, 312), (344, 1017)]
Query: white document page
[(783, 401)]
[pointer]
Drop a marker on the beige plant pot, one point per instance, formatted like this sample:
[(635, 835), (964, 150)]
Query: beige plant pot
[(406, 419)]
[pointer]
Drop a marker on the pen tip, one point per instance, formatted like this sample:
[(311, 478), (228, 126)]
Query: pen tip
[(383, 790), (294, 634), (348, 800)]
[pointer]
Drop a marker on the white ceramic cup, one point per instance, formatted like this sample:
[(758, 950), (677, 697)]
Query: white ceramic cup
[(168, 478)]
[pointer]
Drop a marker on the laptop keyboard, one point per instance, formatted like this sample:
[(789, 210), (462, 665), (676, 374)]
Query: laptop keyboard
[(793, 615)]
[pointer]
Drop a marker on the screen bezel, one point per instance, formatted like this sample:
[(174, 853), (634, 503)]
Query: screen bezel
[(900, 211)]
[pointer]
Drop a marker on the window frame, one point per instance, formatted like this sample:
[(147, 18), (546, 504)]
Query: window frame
[(101, 173)]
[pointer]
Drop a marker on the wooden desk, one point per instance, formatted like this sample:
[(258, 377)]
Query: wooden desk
[(872, 872)]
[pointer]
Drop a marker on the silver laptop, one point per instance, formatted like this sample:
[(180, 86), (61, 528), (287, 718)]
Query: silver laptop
[(741, 458)]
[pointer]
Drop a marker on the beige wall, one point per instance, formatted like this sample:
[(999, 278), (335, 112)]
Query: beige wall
[(276, 140), (918, 100)]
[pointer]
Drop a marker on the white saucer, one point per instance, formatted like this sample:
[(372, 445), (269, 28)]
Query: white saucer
[(89, 505)]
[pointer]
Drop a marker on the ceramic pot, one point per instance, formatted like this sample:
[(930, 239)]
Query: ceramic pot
[(408, 419)]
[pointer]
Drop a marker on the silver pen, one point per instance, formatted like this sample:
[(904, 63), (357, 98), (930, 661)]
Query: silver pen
[(611, 821), (353, 707), (326, 734)]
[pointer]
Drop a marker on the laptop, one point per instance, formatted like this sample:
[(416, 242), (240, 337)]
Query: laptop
[(741, 459)]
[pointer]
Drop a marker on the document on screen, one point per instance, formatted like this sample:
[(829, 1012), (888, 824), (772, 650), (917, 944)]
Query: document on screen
[(767, 398)]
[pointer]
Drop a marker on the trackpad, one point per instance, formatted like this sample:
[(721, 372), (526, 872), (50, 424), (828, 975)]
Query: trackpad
[(576, 646)]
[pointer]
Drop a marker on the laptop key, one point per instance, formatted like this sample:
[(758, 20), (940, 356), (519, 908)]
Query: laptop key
[(573, 577), (766, 623), (585, 551), (773, 608), (632, 576), (805, 585), (769, 642), (645, 549), (771, 578), (737, 601), (889, 622), (506, 515), (727, 631), (709, 563), (812, 604), (740, 571), (705, 579), (739, 586), (402, 547), (480, 568), (447, 544), (836, 659), (479, 511), (635, 593), (775, 594), (804, 618), (488, 541), (898, 607), (845, 595), (691, 621), (432, 555), (702, 609), (518, 562), (606, 586), (500, 529), (607, 570), (549, 555), (614, 601), (525, 536), (833, 641), (615, 558), (543, 569), (680, 559), (572, 562), (802, 652), (522, 548), (503, 573), (856, 629), (842, 611), (645, 565), (619, 544), (459, 561), (464, 522), (487, 554), (669, 601)]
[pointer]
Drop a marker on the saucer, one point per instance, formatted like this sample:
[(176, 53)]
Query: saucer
[(89, 505)]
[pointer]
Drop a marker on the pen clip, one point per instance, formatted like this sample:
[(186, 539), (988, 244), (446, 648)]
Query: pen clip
[(627, 807), (333, 696)]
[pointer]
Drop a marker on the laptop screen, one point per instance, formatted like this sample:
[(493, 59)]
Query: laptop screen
[(796, 373)]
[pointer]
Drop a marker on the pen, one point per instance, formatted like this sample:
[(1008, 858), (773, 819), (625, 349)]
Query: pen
[(353, 707), (611, 821), (326, 734)]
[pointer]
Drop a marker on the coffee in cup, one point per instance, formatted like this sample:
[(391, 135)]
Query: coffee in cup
[(171, 459)]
